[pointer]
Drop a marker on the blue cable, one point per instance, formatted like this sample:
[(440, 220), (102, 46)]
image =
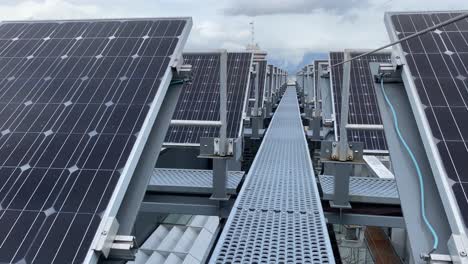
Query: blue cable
[(416, 165)]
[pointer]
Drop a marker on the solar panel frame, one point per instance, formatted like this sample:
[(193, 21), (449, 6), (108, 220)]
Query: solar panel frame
[(374, 141), (269, 82), (444, 184), (318, 95), (244, 103), (121, 186), (262, 68)]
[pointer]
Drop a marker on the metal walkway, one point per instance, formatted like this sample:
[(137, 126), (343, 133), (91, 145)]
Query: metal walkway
[(277, 217), (364, 189)]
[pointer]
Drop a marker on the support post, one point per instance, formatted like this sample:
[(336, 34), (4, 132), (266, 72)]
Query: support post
[(343, 149), (220, 173), (343, 171), (223, 102), (269, 100), (220, 164), (257, 94)]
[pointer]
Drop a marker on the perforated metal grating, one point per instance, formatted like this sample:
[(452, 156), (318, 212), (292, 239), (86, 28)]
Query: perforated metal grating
[(278, 217), (364, 189), (189, 180)]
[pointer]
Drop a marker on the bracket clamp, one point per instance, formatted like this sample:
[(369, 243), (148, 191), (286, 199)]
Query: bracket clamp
[(330, 151), (391, 73), (436, 258), (113, 246)]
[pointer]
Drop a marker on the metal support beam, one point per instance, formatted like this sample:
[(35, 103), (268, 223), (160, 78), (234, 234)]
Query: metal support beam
[(365, 220), (363, 127), (131, 202), (179, 204), (341, 182), (343, 150), (223, 102), (255, 75), (220, 173), (405, 174), (196, 123)]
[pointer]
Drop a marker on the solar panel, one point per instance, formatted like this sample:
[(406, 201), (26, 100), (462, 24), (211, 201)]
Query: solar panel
[(270, 81), (74, 96), (438, 63), (199, 100), (261, 85), (317, 64), (363, 108)]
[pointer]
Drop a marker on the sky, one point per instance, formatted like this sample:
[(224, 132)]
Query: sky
[(293, 32)]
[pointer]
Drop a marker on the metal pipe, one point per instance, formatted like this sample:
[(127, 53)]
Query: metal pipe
[(176, 122), (223, 102), (450, 21), (364, 127)]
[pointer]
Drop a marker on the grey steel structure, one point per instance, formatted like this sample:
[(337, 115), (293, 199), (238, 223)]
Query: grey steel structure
[(442, 208), (278, 209)]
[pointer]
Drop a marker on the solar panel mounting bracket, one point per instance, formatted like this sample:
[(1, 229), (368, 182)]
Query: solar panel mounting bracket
[(114, 246), (123, 248), (210, 147), (326, 73), (436, 258), (458, 248), (314, 125), (177, 63), (183, 73), (330, 151), (390, 72), (107, 236)]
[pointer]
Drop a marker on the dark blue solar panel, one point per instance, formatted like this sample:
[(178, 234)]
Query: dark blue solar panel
[(199, 100), (438, 62), (73, 97), (261, 85), (363, 108)]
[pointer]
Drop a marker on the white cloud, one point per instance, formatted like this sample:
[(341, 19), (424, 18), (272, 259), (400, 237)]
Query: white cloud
[(271, 7), (48, 9), (287, 29)]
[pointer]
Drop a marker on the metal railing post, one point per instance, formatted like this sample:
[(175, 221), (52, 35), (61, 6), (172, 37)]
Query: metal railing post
[(257, 93), (223, 102), (343, 150)]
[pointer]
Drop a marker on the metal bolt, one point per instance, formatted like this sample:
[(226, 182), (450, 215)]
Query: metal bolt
[(350, 157), (463, 253), (334, 144), (103, 233), (334, 156)]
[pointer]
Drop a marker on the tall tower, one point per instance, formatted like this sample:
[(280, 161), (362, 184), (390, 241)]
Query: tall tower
[(252, 45)]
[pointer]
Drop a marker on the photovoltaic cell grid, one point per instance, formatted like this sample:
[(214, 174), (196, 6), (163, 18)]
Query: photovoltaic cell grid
[(261, 85), (363, 108), (73, 96), (438, 62), (199, 100)]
